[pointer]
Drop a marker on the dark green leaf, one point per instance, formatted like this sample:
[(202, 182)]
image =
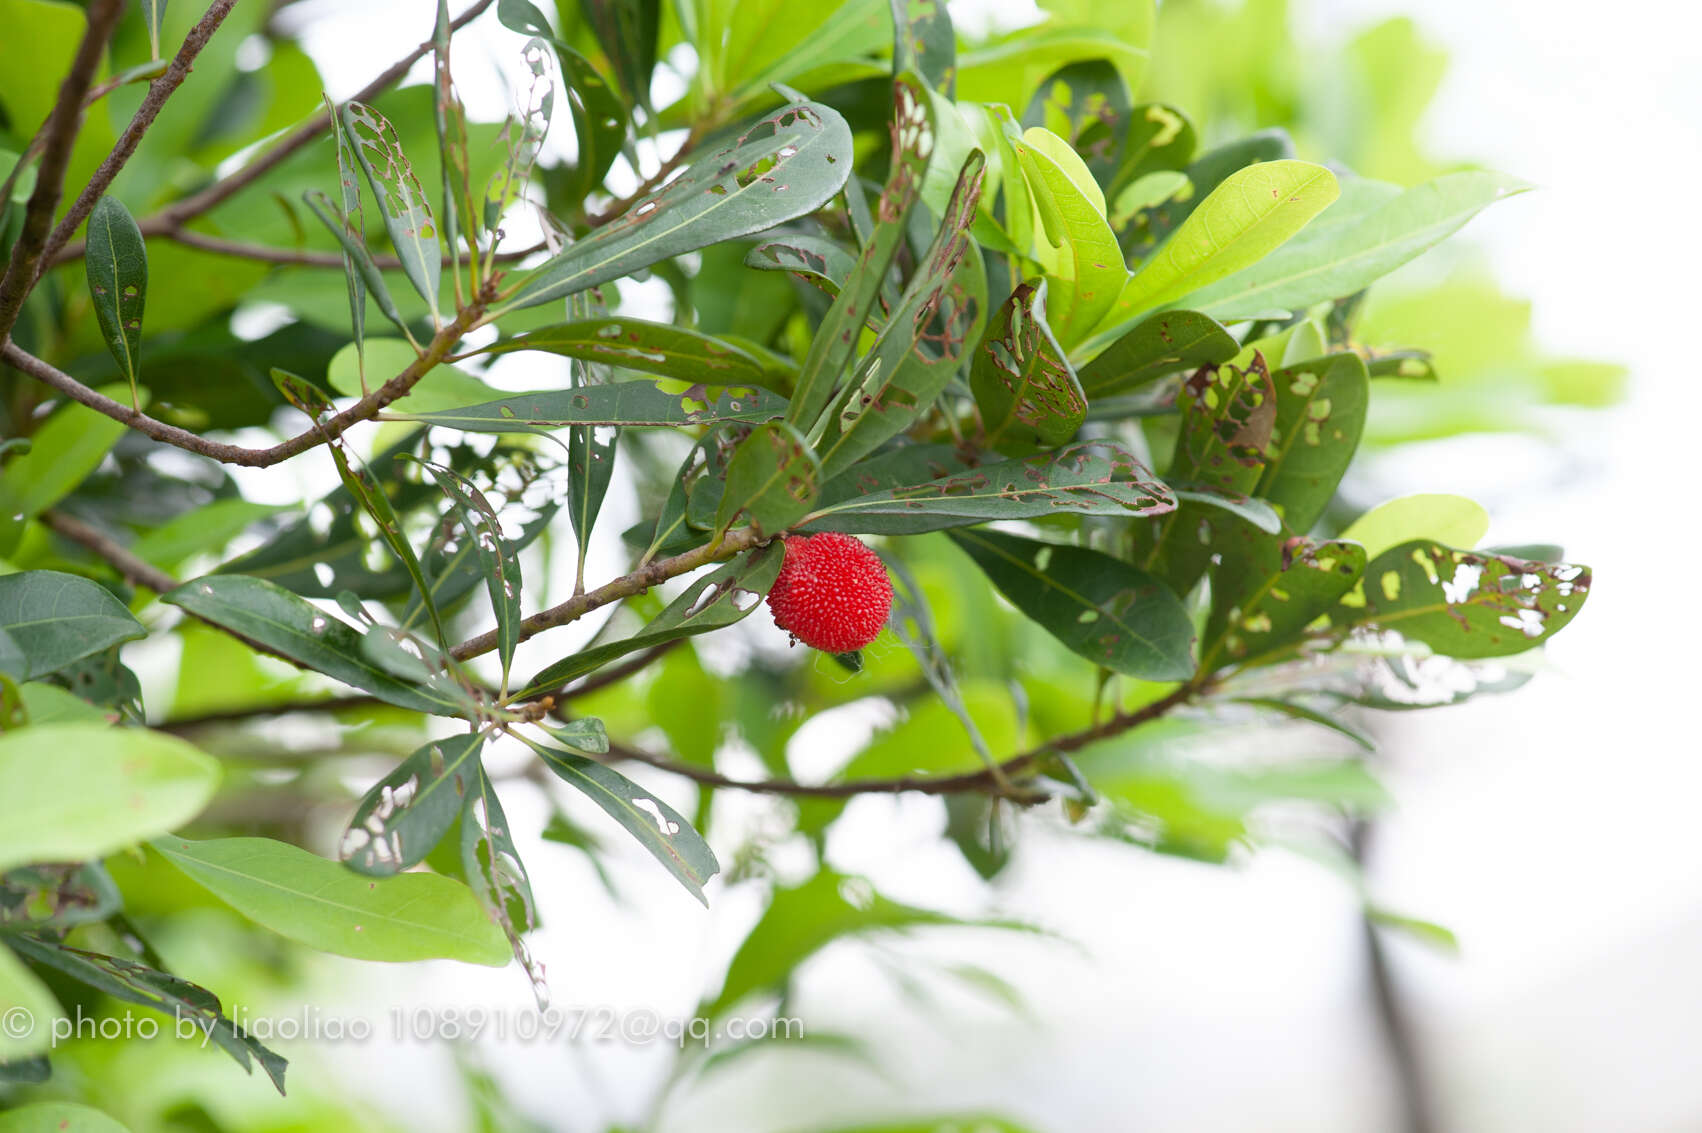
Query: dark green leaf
[(1024, 385), (1266, 589), (1227, 418), (498, 877), (408, 812), (655, 348), (1158, 345), (772, 480), (401, 198), (814, 259), (55, 619), (627, 30), (1115, 615), (1319, 416), (1088, 105), (355, 255), (1160, 137), (116, 261), (925, 43), (501, 570), (635, 403)]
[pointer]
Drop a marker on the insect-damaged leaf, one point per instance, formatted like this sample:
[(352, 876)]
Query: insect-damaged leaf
[(1087, 104), (1320, 413), (1023, 384), (57, 895), (356, 256), (657, 826), (1161, 344), (116, 262), (638, 403), (483, 530), (55, 619), (1106, 610), (925, 43), (409, 811), (302, 633), (400, 196), (655, 348), (1266, 589), (790, 163), (836, 339), (924, 339), (351, 234), (1160, 137), (816, 260), (491, 862), (718, 599), (1090, 478), (1227, 418), (599, 115), (1464, 603), (773, 480)]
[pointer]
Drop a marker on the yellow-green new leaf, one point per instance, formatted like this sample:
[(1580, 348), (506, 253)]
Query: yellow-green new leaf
[(1074, 244)]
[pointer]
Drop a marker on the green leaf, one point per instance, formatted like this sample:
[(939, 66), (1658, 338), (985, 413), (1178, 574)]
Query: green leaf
[(1251, 214), (1007, 68), (442, 387), (1021, 378), (1160, 137), (1346, 257), (1158, 345), (61, 1117), (789, 164), (75, 792), (116, 261), (357, 258), (1228, 415), (1257, 512), (1266, 589), (717, 599), (300, 632), (1463, 604), (635, 403), (132, 982), (1089, 478), (626, 30), (401, 198), (56, 896), (772, 480), (19, 988), (657, 826), (1436, 517), (1149, 229), (1320, 413), (1087, 104), (777, 42), (64, 451), (1075, 244), (57, 619), (1115, 615), (153, 12), (483, 530), (654, 348), (599, 115), (357, 265), (319, 903), (925, 43), (816, 260), (407, 813)]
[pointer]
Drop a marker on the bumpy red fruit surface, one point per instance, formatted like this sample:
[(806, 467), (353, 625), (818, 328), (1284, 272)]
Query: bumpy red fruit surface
[(832, 594)]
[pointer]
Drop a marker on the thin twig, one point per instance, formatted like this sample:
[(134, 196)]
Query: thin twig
[(159, 90), (175, 214), (304, 257), (66, 120)]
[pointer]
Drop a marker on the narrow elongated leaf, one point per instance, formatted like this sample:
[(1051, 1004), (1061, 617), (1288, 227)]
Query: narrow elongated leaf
[(153, 14), (626, 30), (1078, 250), (320, 903), (635, 403), (492, 865), (1106, 610), (1024, 386), (655, 348), (1433, 516), (1156, 346), (925, 43), (352, 235), (407, 813), (772, 480), (1254, 511), (924, 340), (836, 339), (1244, 219), (718, 599), (599, 115), (1089, 478), (1465, 604), (304, 634), (355, 255), (56, 619), (116, 261), (76, 792), (401, 198), (1347, 257), (134, 982), (657, 826), (1320, 413), (790, 163), (501, 570), (1266, 589)]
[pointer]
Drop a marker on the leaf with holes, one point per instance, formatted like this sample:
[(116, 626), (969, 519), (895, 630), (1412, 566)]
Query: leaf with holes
[(1159, 345), (634, 403), (1088, 105), (401, 198), (483, 528), (491, 862), (1320, 412), (657, 826), (627, 30), (56, 619), (925, 43), (924, 339), (300, 632), (56, 896), (718, 599), (1104, 609), (351, 234), (787, 165), (772, 480), (599, 115), (1159, 138), (655, 348), (1074, 242), (1266, 589), (1023, 384), (407, 813), (835, 343), (116, 262), (1465, 604), (816, 260), (1228, 415), (355, 255), (324, 905), (1089, 478)]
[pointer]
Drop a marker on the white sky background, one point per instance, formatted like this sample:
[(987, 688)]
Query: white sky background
[(1554, 830)]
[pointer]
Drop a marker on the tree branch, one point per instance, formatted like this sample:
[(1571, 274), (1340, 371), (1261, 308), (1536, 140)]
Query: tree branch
[(159, 90), (175, 214), (134, 570), (305, 257), (61, 136)]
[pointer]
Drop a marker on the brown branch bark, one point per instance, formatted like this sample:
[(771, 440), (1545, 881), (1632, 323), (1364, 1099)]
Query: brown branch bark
[(61, 136), (305, 257)]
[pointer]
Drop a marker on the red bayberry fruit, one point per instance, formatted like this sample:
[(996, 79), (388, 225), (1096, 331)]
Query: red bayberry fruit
[(832, 593)]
